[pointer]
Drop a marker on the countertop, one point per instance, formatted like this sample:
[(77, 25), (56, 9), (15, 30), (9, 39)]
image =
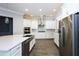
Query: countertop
[(10, 41)]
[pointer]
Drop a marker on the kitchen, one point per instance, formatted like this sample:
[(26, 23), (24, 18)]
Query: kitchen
[(25, 26)]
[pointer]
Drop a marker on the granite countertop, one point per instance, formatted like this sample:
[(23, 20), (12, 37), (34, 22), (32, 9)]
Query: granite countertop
[(10, 41)]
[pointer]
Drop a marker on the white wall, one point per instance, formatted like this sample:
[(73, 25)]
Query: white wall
[(17, 21), (67, 9)]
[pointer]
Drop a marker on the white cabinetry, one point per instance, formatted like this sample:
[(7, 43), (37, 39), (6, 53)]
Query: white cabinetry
[(56, 39), (40, 35), (49, 33), (34, 24), (50, 24), (32, 43), (26, 23), (16, 51)]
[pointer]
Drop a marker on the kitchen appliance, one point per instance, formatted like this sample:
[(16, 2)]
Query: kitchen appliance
[(27, 30), (69, 35), (65, 36), (41, 23)]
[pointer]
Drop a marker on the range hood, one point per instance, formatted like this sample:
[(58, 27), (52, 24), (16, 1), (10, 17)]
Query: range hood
[(41, 24)]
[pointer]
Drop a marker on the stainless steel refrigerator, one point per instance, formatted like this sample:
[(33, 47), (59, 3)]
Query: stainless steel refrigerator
[(69, 35), (75, 20)]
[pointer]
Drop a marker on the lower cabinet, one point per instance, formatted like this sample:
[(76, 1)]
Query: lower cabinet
[(56, 39), (16, 51), (27, 46), (49, 33), (22, 49), (32, 43)]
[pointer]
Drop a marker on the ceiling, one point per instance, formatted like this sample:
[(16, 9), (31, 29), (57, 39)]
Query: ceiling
[(33, 8)]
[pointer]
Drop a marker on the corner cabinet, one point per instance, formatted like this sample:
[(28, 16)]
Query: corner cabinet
[(16, 51)]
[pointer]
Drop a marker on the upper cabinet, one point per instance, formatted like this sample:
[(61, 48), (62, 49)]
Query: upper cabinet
[(26, 23), (41, 24), (34, 23), (50, 24)]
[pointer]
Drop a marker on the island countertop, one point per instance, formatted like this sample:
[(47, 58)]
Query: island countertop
[(10, 41)]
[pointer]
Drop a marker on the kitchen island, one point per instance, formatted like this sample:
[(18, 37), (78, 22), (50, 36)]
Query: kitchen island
[(11, 45)]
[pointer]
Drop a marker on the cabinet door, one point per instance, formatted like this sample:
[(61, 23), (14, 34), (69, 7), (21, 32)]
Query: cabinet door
[(18, 53), (16, 50), (34, 24), (40, 35), (32, 42), (49, 33), (50, 24), (56, 39), (27, 23)]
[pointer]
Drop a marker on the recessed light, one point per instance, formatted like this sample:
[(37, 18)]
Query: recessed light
[(26, 10), (40, 9), (54, 10)]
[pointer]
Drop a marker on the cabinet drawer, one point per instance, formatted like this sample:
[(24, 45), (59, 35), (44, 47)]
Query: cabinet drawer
[(15, 49), (17, 53)]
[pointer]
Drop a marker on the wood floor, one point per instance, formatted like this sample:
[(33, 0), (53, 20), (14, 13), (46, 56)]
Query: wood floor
[(44, 47)]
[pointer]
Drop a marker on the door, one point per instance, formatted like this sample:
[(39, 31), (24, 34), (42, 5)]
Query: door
[(65, 40)]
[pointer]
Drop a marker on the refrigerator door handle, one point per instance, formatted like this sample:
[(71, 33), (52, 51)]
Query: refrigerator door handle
[(63, 37)]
